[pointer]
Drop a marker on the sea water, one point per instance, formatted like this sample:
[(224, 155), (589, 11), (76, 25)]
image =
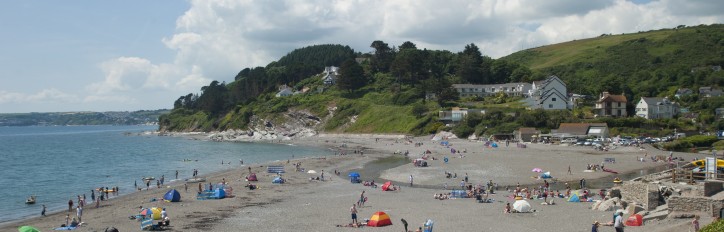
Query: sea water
[(58, 163)]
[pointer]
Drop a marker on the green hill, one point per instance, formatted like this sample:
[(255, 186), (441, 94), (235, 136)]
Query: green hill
[(641, 64), (385, 91)]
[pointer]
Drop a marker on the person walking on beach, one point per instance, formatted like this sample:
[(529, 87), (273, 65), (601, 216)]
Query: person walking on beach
[(353, 211), (148, 184), (618, 222), (163, 177), (569, 170), (322, 176), (42, 213), (404, 223), (695, 223), (93, 195), (79, 212), (176, 174), (583, 183), (98, 204), (361, 201), (70, 205), (411, 180), (186, 187)]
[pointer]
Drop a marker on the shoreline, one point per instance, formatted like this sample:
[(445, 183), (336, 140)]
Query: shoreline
[(188, 215)]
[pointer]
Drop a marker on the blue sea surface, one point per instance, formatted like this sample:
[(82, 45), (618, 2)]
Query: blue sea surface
[(57, 163)]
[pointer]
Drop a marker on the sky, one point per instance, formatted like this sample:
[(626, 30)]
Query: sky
[(86, 55)]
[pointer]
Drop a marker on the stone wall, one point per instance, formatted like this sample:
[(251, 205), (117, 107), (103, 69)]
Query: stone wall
[(643, 193), (694, 204)]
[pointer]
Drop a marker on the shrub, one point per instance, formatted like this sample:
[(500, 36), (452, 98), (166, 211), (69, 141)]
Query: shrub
[(714, 226)]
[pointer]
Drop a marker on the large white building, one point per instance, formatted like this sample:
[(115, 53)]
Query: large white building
[(656, 107), (549, 94), (511, 89)]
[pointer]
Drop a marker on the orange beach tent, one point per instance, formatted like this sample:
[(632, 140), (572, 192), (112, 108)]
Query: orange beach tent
[(379, 219)]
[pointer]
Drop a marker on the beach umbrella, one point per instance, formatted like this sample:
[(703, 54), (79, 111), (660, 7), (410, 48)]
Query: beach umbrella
[(353, 174), (311, 171), (146, 212), (27, 229), (521, 206), (386, 186), (379, 219), (537, 170)]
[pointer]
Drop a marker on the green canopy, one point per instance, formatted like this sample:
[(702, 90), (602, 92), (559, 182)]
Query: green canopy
[(27, 229)]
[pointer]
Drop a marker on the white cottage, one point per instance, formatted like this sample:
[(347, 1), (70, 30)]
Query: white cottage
[(656, 107), (550, 94)]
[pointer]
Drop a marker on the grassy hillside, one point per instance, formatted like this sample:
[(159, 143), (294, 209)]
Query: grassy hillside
[(702, 42)]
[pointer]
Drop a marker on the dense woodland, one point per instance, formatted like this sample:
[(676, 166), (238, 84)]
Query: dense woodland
[(385, 89)]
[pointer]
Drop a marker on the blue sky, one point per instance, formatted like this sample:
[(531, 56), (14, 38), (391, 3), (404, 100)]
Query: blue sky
[(138, 55)]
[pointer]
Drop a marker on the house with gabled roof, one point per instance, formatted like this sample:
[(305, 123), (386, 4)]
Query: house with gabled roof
[(284, 91), (330, 75), (656, 107), (610, 105), (581, 130), (550, 94), (683, 92)]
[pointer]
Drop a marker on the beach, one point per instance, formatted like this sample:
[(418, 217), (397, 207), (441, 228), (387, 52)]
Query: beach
[(302, 204)]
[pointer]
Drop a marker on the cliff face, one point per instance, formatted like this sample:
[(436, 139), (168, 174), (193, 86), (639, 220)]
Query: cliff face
[(292, 124)]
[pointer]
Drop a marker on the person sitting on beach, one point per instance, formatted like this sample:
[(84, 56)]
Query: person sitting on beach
[(74, 223), (507, 208)]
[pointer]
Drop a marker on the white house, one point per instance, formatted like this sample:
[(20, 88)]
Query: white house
[(330, 75), (550, 94), (656, 107), (511, 89), (284, 91)]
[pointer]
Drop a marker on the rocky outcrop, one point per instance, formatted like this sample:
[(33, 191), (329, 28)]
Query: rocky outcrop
[(292, 124)]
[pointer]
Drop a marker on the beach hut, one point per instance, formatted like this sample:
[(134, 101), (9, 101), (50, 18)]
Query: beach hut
[(354, 177), (172, 196), (521, 206), (379, 219)]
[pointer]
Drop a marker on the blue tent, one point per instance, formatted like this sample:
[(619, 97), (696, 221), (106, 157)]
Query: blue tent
[(574, 198), (546, 175), (494, 145), (172, 196), (278, 180), (354, 177), (219, 193)]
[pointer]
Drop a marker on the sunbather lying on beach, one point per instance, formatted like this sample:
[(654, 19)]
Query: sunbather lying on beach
[(351, 225)]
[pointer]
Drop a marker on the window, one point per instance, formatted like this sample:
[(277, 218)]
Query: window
[(554, 99), (550, 106), (619, 104)]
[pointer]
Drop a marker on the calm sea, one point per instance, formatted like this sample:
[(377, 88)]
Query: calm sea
[(57, 163)]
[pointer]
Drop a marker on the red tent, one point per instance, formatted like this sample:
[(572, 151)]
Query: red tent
[(379, 219), (386, 186), (251, 177), (635, 220)]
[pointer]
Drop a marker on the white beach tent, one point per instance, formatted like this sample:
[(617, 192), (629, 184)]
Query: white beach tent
[(521, 206)]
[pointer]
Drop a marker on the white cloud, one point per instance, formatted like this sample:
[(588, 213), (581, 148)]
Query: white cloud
[(51, 95), (214, 39)]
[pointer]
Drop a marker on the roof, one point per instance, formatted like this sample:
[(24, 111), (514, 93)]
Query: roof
[(614, 98), (578, 128), (528, 130), (653, 100)]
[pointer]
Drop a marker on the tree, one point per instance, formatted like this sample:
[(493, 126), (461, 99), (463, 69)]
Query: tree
[(351, 76), (407, 45), (469, 64), (408, 65), (382, 57), (418, 109)]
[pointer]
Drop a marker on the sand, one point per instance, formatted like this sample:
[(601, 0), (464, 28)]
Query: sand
[(304, 205)]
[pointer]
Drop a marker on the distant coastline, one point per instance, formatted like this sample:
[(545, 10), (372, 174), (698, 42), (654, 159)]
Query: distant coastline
[(141, 117)]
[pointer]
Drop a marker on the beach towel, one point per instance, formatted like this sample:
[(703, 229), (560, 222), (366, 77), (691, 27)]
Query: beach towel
[(66, 228)]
